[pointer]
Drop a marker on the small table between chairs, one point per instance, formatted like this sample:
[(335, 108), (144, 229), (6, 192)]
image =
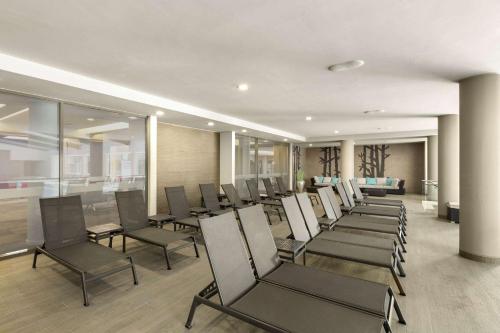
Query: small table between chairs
[(108, 230), (289, 249), (161, 219)]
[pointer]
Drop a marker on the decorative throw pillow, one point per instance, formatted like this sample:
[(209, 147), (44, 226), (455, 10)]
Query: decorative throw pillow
[(371, 181), (318, 179), (334, 180), (389, 181), (380, 181)]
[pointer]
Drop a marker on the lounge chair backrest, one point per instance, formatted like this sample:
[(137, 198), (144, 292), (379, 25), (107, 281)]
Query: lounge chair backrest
[(281, 185), (357, 190), (343, 195), (348, 192), (308, 214), (325, 201), (62, 221), (210, 197), (334, 201), (177, 201), (132, 209), (231, 194), (253, 189), (259, 239), (227, 256), (269, 188), (295, 219)]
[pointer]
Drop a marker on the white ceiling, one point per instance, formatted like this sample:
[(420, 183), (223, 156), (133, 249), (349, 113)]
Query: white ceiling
[(196, 52)]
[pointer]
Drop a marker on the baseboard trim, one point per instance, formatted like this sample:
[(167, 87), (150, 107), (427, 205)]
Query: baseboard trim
[(475, 257)]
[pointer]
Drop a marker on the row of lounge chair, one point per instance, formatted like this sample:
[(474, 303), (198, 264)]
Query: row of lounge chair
[(66, 239), (257, 287)]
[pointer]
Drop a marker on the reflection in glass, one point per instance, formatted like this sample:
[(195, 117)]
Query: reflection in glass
[(29, 168), (103, 152), (244, 163)]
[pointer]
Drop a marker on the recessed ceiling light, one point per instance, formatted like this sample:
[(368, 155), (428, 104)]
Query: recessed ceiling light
[(336, 131), (132, 118), (310, 145), (285, 139), (266, 141), (243, 87), (308, 118), (244, 130), (373, 111), (90, 119), (210, 123), (345, 66), (2, 105), (160, 113)]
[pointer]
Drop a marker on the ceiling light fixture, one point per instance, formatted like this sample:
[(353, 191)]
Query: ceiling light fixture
[(374, 111), (336, 131), (132, 118), (90, 119), (210, 123), (244, 131), (15, 114), (309, 118), (345, 66), (285, 139), (2, 105), (160, 113), (243, 86), (310, 145)]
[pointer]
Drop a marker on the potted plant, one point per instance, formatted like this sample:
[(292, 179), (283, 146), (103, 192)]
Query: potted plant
[(300, 180)]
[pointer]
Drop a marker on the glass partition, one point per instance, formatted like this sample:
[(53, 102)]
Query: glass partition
[(246, 148), (272, 161), (102, 152), (29, 167)]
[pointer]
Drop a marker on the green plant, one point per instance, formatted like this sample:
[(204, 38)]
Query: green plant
[(300, 175)]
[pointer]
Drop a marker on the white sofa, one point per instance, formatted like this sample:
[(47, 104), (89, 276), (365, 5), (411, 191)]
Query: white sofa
[(381, 183)]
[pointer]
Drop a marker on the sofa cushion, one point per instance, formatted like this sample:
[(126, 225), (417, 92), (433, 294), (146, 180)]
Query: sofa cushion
[(361, 181), (371, 181), (334, 180), (327, 180), (389, 181), (380, 181), (318, 179)]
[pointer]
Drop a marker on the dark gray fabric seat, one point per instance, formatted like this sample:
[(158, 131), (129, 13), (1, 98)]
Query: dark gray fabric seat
[(158, 236), (350, 252), (233, 196), (373, 201), (179, 207), (67, 243), (283, 189), (267, 306), (270, 190), (296, 312), (134, 220), (270, 206), (365, 295)]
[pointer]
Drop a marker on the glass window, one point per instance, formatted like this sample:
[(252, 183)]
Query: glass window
[(244, 163), (29, 168), (102, 152)]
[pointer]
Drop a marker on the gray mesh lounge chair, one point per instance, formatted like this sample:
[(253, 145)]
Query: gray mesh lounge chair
[(350, 206), (355, 253), (262, 304), (179, 207), (359, 197), (211, 200), (66, 242), (283, 189), (135, 223), (269, 205), (363, 223), (361, 294), (270, 191), (233, 196), (343, 237)]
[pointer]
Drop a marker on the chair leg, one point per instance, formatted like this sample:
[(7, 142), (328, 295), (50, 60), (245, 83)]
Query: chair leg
[(175, 226), (401, 243), (124, 244), (400, 267), (401, 319), (194, 305), (268, 218), (195, 247), (398, 283), (35, 256), (134, 273), (165, 252), (400, 255), (84, 289), (110, 241), (304, 257), (279, 214)]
